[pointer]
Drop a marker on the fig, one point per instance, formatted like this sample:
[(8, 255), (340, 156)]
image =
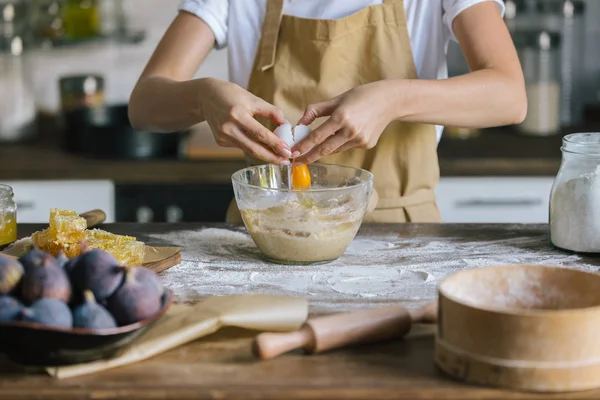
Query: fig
[(98, 271), (10, 308), (11, 272), (34, 258), (136, 299), (149, 277), (50, 312), (46, 280), (61, 259), (92, 315)]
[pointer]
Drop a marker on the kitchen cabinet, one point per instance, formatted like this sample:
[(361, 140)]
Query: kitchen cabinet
[(172, 202), (35, 198), (494, 199)]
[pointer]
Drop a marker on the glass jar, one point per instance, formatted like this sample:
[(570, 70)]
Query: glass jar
[(8, 215), (575, 197), (539, 52), (568, 18), (82, 19), (18, 109)]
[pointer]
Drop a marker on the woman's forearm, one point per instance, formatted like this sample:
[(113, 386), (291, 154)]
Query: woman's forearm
[(160, 104), (479, 99)]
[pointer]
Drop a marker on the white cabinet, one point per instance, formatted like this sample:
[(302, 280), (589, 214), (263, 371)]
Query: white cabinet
[(35, 198), (494, 199)]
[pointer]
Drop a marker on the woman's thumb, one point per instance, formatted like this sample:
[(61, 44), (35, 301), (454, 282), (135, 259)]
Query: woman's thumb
[(317, 110)]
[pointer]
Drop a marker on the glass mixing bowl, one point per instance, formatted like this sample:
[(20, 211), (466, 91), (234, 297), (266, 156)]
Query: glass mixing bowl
[(303, 226)]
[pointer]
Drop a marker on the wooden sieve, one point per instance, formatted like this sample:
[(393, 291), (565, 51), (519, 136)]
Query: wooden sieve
[(524, 327)]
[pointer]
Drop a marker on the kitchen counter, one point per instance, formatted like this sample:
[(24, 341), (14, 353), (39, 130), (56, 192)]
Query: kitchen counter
[(495, 152), (386, 264)]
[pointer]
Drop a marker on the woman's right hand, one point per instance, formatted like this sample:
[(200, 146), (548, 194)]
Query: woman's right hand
[(230, 110)]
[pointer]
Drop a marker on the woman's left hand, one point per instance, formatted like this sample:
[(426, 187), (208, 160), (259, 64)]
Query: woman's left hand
[(357, 119)]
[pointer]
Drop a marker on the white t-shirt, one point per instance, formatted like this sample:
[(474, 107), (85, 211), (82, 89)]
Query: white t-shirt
[(237, 25)]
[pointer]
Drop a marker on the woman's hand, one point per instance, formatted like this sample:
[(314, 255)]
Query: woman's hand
[(230, 110), (357, 119)]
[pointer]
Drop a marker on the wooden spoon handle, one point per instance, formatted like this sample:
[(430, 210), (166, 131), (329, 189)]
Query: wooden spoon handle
[(94, 217)]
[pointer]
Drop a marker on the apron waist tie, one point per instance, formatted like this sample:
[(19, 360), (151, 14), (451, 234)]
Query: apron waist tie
[(421, 196)]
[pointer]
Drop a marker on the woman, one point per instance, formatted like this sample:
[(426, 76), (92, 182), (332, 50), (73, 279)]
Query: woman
[(369, 76)]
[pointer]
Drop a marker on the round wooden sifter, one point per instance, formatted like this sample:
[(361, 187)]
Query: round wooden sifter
[(524, 327)]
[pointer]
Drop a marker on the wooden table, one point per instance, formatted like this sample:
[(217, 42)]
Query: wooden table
[(221, 366)]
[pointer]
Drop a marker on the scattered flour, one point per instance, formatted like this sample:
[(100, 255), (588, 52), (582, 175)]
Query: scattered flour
[(376, 269)]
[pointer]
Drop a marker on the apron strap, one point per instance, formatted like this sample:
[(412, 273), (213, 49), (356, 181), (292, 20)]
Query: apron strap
[(420, 196), (270, 34)]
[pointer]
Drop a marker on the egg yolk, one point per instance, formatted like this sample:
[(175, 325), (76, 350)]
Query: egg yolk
[(300, 176)]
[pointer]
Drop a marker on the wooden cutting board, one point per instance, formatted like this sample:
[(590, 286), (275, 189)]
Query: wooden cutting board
[(166, 257)]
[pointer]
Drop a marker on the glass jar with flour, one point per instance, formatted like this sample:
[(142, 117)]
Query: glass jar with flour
[(575, 196)]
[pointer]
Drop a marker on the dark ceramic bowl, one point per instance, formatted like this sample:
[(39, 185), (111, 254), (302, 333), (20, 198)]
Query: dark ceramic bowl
[(34, 344)]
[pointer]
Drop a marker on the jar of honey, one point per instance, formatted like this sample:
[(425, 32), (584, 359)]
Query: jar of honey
[(8, 215)]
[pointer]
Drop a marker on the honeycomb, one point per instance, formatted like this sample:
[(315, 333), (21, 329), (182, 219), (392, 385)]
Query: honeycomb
[(67, 230), (67, 226), (125, 249)]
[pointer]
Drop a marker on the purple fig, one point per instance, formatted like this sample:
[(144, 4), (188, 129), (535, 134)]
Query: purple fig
[(98, 271), (150, 278), (61, 259), (46, 280), (92, 315), (136, 299), (11, 272), (34, 258), (10, 308), (50, 312)]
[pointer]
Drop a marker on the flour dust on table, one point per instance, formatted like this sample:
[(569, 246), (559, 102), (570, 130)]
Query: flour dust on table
[(378, 268)]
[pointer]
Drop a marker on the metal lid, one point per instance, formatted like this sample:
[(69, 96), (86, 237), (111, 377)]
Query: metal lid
[(514, 8), (86, 84), (568, 8), (542, 40)]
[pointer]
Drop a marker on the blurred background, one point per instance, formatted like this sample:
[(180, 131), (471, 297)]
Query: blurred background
[(67, 68)]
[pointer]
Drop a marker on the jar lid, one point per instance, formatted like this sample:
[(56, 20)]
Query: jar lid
[(514, 8), (85, 84), (568, 8), (542, 40)]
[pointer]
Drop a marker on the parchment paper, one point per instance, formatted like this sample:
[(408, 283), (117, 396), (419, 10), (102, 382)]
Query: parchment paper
[(183, 323), (151, 254)]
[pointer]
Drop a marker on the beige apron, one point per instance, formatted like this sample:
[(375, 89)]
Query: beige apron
[(303, 61)]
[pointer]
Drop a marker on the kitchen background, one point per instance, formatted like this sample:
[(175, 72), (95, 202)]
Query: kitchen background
[(60, 59)]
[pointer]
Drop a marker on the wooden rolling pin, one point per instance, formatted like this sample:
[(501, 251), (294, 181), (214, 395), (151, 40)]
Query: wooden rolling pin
[(344, 329)]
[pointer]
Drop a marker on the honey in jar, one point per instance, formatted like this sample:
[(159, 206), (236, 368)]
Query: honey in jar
[(8, 215)]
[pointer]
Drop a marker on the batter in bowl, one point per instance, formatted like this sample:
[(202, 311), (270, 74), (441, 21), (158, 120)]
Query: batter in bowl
[(299, 231)]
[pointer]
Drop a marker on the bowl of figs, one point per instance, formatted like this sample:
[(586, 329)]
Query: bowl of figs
[(58, 311)]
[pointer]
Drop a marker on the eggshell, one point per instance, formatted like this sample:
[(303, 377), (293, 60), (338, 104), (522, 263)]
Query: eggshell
[(300, 132), (284, 132)]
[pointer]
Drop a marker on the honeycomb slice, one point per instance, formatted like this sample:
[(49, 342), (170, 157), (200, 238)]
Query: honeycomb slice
[(67, 231), (125, 249), (47, 242), (67, 226)]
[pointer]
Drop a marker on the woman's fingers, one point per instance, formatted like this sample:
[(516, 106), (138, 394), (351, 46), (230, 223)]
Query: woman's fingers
[(329, 146), (257, 150), (316, 137), (317, 110), (267, 110), (264, 136)]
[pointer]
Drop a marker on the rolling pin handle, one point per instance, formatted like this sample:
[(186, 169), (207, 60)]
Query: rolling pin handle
[(94, 217), (270, 345)]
